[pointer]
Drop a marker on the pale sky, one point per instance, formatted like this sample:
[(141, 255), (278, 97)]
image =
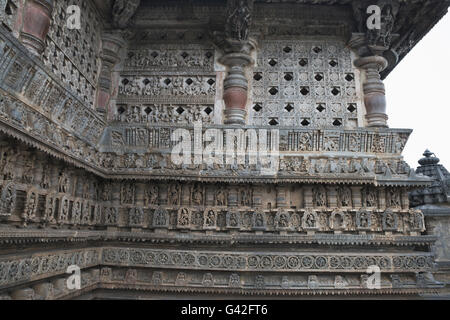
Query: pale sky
[(417, 91)]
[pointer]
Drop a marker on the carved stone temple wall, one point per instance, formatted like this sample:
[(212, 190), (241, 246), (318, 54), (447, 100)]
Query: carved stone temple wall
[(87, 120)]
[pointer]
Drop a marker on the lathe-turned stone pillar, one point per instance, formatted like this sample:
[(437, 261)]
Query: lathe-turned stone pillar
[(374, 90), (37, 15), (236, 46), (236, 87), (111, 45)]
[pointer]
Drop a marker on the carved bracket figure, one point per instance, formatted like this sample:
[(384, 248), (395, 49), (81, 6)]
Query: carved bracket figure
[(123, 11)]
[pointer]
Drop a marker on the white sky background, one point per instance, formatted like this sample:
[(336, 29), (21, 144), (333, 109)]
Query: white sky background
[(418, 95)]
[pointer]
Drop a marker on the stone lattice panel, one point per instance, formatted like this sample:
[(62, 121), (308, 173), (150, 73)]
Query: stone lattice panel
[(167, 83), (73, 55), (8, 12), (304, 83)]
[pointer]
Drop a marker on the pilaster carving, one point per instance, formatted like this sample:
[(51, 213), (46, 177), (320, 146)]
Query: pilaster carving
[(111, 45)]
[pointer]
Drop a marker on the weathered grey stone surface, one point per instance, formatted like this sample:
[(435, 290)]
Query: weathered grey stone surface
[(87, 178)]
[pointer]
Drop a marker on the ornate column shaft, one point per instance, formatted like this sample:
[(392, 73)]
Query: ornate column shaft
[(374, 90), (371, 42), (111, 45), (235, 87), (236, 45), (37, 16)]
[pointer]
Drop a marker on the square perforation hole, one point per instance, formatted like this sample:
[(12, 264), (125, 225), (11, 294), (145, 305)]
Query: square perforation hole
[(287, 49), (257, 107), (305, 122), (167, 81), (273, 62), (208, 110), (189, 81), (304, 90), (289, 107), (288, 76), (335, 91), (121, 109), (318, 76), (180, 110), (273, 91), (320, 107), (209, 55), (333, 63), (337, 122), (351, 107), (154, 54), (317, 49), (349, 77), (303, 62), (257, 76), (273, 122), (148, 110), (211, 82), (185, 55)]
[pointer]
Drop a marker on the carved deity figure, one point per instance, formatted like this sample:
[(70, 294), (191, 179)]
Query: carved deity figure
[(210, 219), (239, 20), (221, 197), (233, 221), (64, 212), (345, 197), (30, 210), (310, 220), (8, 199), (174, 194), (246, 197), (160, 218), (393, 198), (370, 197), (259, 220), (127, 193), (49, 210), (416, 220), (45, 181), (197, 195), (63, 182), (151, 196), (390, 220), (76, 213), (363, 220), (8, 163), (284, 221), (235, 280), (183, 219), (320, 197)]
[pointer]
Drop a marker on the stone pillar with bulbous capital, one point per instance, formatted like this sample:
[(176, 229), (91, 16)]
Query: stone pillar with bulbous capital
[(236, 86), (111, 45), (374, 91), (237, 46), (37, 15), (373, 87)]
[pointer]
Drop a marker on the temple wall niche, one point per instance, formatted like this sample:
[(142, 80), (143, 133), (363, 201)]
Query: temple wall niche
[(72, 54), (305, 83)]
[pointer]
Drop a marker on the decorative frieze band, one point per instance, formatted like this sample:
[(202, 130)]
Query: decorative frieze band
[(178, 259)]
